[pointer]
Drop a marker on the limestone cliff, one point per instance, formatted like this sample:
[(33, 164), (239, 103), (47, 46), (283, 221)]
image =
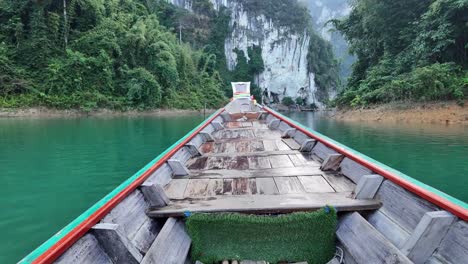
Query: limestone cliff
[(284, 52)]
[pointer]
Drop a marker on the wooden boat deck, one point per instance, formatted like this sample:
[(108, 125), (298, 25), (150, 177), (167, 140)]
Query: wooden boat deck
[(261, 164), (251, 168)]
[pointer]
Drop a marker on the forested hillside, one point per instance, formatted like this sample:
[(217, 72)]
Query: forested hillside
[(412, 50), (99, 53)]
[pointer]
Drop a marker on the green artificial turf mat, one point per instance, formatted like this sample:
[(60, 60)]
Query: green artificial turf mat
[(293, 237)]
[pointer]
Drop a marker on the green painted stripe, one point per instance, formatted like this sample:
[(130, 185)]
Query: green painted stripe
[(381, 165), (62, 233)]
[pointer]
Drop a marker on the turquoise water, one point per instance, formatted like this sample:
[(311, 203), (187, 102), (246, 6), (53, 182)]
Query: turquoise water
[(54, 169)]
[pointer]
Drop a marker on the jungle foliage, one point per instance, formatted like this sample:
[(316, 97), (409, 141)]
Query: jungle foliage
[(100, 53), (406, 50)]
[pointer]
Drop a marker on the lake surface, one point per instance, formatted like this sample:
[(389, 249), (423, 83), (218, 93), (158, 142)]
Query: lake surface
[(54, 169)]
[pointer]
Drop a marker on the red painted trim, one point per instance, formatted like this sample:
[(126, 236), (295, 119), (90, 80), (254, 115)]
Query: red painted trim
[(66, 242), (425, 194)]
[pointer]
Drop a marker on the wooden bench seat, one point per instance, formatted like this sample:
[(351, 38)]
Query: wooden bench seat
[(263, 204)]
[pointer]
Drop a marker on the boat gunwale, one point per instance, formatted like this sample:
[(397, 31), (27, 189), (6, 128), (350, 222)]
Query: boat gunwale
[(435, 196), (55, 246)]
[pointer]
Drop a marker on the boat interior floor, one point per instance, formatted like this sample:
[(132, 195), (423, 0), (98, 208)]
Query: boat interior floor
[(248, 167)]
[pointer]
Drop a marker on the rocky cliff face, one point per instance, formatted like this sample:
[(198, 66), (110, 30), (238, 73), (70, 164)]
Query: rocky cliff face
[(284, 52), (323, 11)]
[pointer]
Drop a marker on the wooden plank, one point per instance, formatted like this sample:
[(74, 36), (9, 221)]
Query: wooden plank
[(178, 168), (228, 147), (162, 176), (283, 203), (154, 195), (266, 186), (298, 160), (129, 214), (270, 145), (217, 125), (115, 244), (267, 134), (256, 163), (207, 147), (238, 163), (171, 246), (454, 246), (216, 163), (242, 147), (240, 186), (322, 151), (285, 172), (353, 170), (197, 188), (215, 187), (85, 251), (403, 207), (234, 124), (339, 182), (227, 186), (280, 161), (288, 185), (332, 162), (365, 243), (198, 163), (258, 153), (292, 144), (256, 146), (367, 186), (281, 145), (315, 184), (247, 124), (387, 227), (146, 234), (307, 145), (427, 235), (176, 188), (300, 137)]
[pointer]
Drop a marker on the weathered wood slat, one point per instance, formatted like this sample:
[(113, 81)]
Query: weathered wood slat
[(161, 176), (281, 145), (292, 144), (427, 236), (454, 246), (288, 185), (387, 227), (353, 170), (316, 184), (215, 187), (85, 251), (178, 167), (154, 195), (298, 160), (276, 172), (332, 162), (270, 145), (116, 245), (198, 163), (251, 154), (300, 137), (266, 186), (171, 246), (256, 163), (367, 186), (280, 161), (176, 188), (403, 207), (322, 151), (365, 243), (265, 204), (339, 182), (197, 188), (131, 218)]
